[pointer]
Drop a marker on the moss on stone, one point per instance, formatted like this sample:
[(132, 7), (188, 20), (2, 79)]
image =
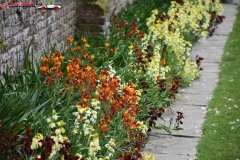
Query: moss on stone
[(103, 4)]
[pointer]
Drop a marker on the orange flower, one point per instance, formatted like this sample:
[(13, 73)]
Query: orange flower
[(158, 79), (55, 71), (78, 48), (88, 68), (113, 50), (129, 122), (163, 62), (83, 39), (72, 50), (80, 119), (86, 56), (46, 60), (108, 87), (50, 80), (44, 70), (104, 127), (69, 41)]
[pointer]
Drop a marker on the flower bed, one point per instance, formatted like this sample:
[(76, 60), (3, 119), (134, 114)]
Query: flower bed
[(100, 101)]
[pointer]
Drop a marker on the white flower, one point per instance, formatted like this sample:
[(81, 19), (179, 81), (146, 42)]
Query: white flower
[(58, 131), (49, 120), (52, 125)]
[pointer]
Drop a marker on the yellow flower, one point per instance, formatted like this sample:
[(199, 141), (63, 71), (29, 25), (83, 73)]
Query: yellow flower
[(75, 130), (35, 141), (94, 147), (155, 11), (163, 62), (142, 127), (61, 123), (54, 115), (79, 156), (95, 102), (62, 130), (65, 139), (107, 45), (148, 157)]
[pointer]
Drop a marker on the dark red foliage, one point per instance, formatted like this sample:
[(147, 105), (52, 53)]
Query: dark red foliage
[(180, 1), (153, 115), (175, 87), (215, 20), (163, 17), (65, 150), (199, 60), (13, 146), (47, 145), (179, 119), (164, 50)]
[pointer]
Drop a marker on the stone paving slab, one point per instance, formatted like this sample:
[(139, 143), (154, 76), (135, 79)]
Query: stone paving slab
[(172, 157), (223, 31), (193, 119), (199, 87), (193, 99), (168, 141), (208, 77), (212, 42), (208, 49), (210, 67), (212, 57)]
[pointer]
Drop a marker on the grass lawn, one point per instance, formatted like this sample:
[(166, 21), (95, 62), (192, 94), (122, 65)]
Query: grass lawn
[(221, 129)]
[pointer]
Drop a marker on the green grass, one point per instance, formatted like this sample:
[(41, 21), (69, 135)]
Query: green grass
[(222, 141)]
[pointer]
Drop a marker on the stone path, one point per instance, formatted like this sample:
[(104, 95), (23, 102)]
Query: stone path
[(192, 101)]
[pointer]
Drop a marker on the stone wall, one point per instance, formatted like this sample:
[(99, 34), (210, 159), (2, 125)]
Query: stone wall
[(115, 6), (21, 25)]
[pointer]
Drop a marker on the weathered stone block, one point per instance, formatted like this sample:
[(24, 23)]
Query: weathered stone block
[(98, 20), (90, 27), (36, 46), (26, 33), (70, 15), (6, 12), (31, 30), (1, 15), (49, 20), (72, 23), (54, 34), (90, 10), (84, 20), (7, 33)]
